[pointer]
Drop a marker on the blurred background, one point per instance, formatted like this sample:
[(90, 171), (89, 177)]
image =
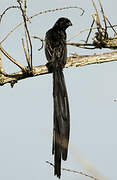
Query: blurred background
[(26, 111)]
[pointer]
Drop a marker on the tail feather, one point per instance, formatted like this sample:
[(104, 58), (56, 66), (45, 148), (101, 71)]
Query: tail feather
[(61, 120)]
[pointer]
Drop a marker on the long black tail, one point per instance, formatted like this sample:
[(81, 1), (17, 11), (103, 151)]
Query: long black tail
[(61, 121)]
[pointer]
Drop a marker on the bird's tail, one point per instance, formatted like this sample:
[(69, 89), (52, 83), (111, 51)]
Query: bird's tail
[(61, 121)]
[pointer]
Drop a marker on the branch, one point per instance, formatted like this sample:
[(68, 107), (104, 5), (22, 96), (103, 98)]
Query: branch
[(75, 60), (104, 19), (87, 29), (110, 43), (26, 29), (11, 7), (2, 72), (40, 13), (27, 56), (0, 62), (76, 172), (12, 59)]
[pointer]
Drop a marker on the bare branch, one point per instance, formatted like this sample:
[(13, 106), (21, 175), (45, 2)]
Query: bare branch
[(90, 31), (2, 72), (27, 31), (74, 60), (28, 51), (25, 6), (57, 9), (27, 44), (42, 41), (18, 25), (94, 5), (37, 37), (110, 43), (12, 59), (97, 21), (112, 27), (41, 12), (27, 57), (11, 7), (87, 29), (73, 171), (104, 19), (80, 44), (1, 69), (102, 32)]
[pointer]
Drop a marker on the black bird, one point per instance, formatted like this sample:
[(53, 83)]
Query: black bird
[(56, 54)]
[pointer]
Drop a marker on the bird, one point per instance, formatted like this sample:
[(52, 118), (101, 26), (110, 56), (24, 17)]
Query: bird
[(56, 55)]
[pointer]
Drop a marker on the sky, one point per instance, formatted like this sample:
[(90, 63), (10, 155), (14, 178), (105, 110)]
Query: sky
[(26, 111)]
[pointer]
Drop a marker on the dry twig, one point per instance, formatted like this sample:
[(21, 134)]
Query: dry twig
[(12, 59), (27, 57), (42, 41), (11, 7), (73, 171), (27, 31), (37, 14)]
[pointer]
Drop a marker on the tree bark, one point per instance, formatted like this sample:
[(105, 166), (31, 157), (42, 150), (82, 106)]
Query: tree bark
[(75, 60)]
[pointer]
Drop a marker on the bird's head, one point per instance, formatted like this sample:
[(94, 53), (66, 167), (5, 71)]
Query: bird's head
[(63, 23)]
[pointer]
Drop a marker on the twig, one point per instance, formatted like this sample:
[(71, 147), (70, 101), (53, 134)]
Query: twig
[(104, 19), (37, 37), (27, 58), (2, 72), (90, 31), (111, 25), (42, 41), (11, 7), (41, 12), (97, 20), (79, 44), (18, 25), (57, 9), (73, 171), (94, 5), (27, 44), (25, 6), (87, 29), (12, 59), (78, 33), (42, 45), (110, 43), (1, 69), (27, 31)]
